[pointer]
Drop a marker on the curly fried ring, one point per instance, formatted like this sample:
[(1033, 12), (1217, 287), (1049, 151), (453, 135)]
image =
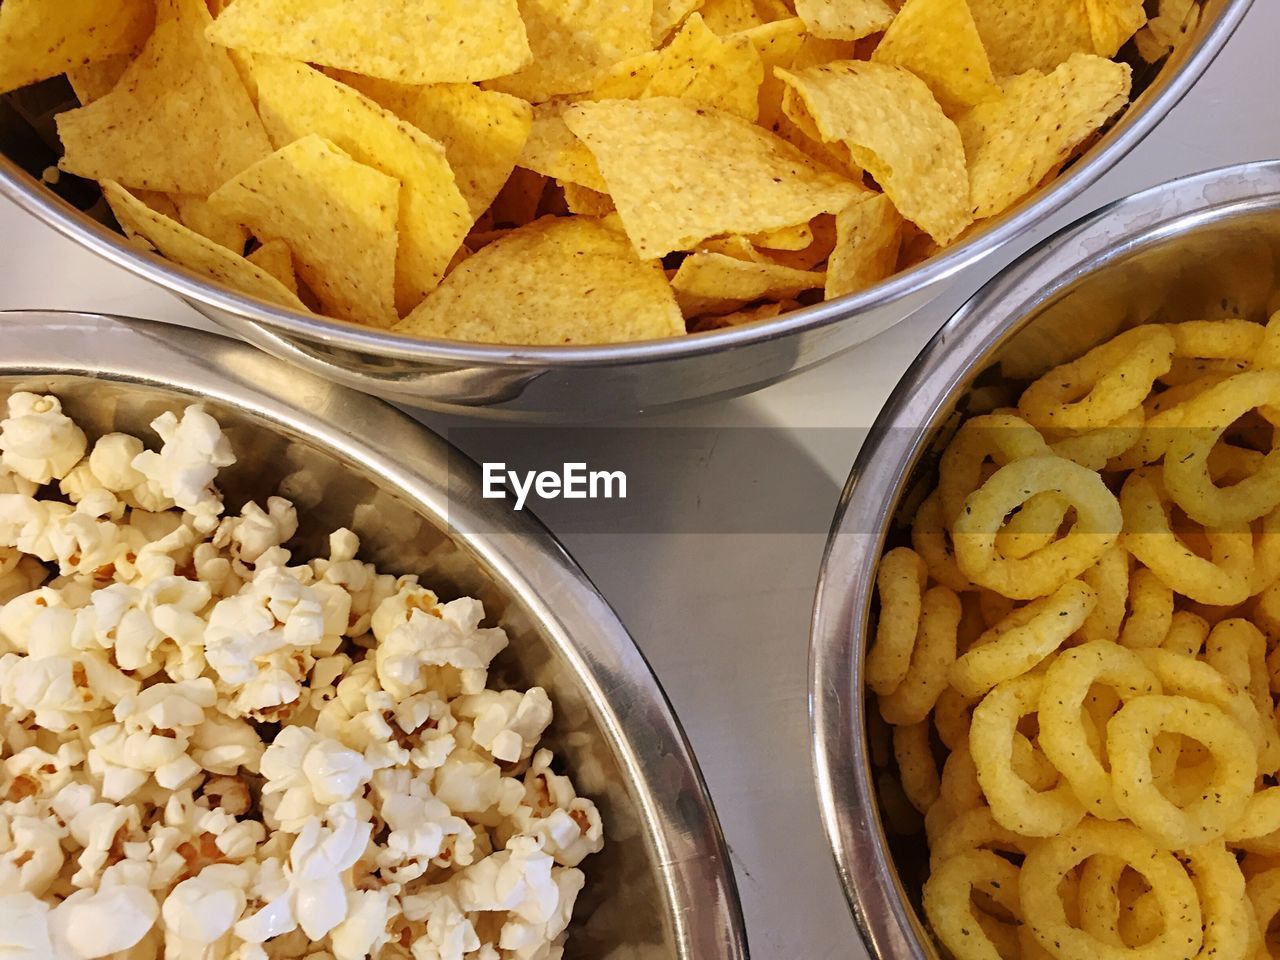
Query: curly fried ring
[(935, 651), (1187, 634), (1130, 740), (930, 538), (916, 766), (1014, 804), (1216, 339), (1238, 650), (1049, 862), (1228, 921), (1097, 526), (1150, 612), (1109, 578), (1223, 581), (1264, 893), (1095, 448), (948, 903), (1002, 437), (1204, 420), (1185, 676), (1062, 735), (900, 582), (974, 829)]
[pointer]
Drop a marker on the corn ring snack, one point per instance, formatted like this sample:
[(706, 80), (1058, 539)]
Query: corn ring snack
[(975, 829), (1014, 803), (998, 437), (1229, 924), (1103, 385), (1097, 447), (935, 651), (931, 538), (948, 898), (1049, 861), (1263, 890), (1062, 736), (1033, 527), (1099, 902), (1097, 526), (1187, 634), (1022, 640), (1204, 419), (1109, 580), (916, 766), (1150, 612), (1217, 339), (1238, 650), (951, 717), (901, 585)]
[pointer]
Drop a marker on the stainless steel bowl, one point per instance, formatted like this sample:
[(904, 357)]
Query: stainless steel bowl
[(1204, 247), (663, 887), (577, 383)]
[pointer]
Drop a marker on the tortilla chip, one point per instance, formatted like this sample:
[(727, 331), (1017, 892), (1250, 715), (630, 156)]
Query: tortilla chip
[(897, 132), (518, 201), (276, 258), (668, 15), (730, 16), (798, 128), (336, 215), (40, 39), (680, 173), (412, 41), (197, 214), (772, 10), (575, 42), (778, 43), (737, 247), (938, 41), (793, 238), (868, 238), (559, 280), (1021, 36), (482, 131), (179, 120), (627, 79), (823, 229), (95, 80), (764, 312), (196, 253), (844, 19), (295, 100), (585, 202), (1014, 142), (1113, 22), (714, 283), (699, 65), (159, 202), (553, 151)]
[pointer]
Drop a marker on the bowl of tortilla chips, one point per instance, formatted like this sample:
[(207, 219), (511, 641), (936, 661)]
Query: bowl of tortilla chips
[(567, 209)]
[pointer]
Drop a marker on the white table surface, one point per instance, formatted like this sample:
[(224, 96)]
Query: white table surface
[(724, 618)]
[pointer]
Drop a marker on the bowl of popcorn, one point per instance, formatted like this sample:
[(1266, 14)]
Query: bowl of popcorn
[(269, 690), (1043, 657)]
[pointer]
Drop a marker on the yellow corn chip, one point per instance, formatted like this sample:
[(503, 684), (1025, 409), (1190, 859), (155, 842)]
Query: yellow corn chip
[(1021, 36), (559, 280), (97, 79), (766, 311), (788, 238), (868, 237), (823, 229), (1113, 22), (179, 119), (518, 201), (798, 128), (585, 202), (773, 10), (412, 41), (714, 283), (730, 16), (553, 151), (669, 14), (699, 65), (295, 100), (482, 131), (40, 39), (1013, 142), (575, 42), (844, 19), (336, 215), (737, 247), (159, 202), (627, 79), (197, 214), (897, 132), (193, 251), (778, 43), (680, 173), (276, 258), (938, 41)]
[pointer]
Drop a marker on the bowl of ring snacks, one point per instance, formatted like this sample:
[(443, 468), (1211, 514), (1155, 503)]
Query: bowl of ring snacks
[(1043, 655), (571, 208), (267, 691)]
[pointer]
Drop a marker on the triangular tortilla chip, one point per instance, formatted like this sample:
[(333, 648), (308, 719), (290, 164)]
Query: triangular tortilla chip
[(1113, 22), (844, 19), (575, 42), (337, 216), (699, 65), (668, 15), (586, 202), (559, 280), (868, 238), (196, 253), (95, 80), (483, 132), (778, 44), (40, 39), (553, 151), (793, 238), (897, 132), (1021, 36), (178, 121), (412, 41), (196, 214), (715, 283), (730, 16), (276, 258), (295, 100), (680, 173), (1014, 142), (938, 41), (712, 321)]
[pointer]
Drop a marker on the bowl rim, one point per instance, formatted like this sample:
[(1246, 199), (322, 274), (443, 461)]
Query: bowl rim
[(1139, 119), (683, 833), (894, 446)]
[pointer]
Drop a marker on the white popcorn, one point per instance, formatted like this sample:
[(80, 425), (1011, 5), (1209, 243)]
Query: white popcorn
[(255, 531), (31, 854), (508, 724), (38, 442), (101, 923), (410, 640), (194, 448), (306, 773), (24, 935), (364, 931), (202, 909), (450, 934)]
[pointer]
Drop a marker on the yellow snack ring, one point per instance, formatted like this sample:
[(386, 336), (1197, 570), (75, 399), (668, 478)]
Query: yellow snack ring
[(1096, 448), (1062, 736), (948, 901), (916, 766), (1217, 339), (1238, 650), (931, 539), (1014, 804), (1023, 639), (1229, 925), (1103, 385), (1204, 419), (1099, 902), (1187, 634), (1097, 526), (1130, 740), (1109, 578), (1150, 612), (1001, 437), (1264, 894), (900, 581), (975, 829), (1033, 527), (935, 651), (1224, 580), (1051, 860)]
